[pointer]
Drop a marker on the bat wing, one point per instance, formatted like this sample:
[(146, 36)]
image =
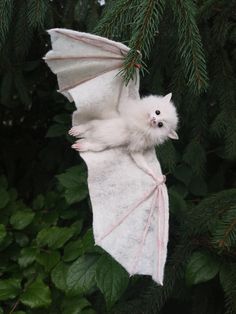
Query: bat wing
[(87, 68), (130, 212)]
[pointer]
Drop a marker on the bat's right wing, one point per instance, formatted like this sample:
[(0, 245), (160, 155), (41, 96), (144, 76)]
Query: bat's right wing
[(87, 68)]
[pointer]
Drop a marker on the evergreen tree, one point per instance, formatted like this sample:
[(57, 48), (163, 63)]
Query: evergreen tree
[(48, 262)]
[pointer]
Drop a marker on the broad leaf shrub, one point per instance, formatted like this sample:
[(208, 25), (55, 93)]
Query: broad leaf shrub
[(48, 257), (48, 260)]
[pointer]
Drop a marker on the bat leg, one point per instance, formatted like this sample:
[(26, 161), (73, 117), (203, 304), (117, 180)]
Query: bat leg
[(83, 145)]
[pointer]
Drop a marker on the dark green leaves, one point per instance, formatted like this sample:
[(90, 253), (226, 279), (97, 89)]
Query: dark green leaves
[(36, 295), (111, 279), (61, 127), (54, 237), (48, 259), (21, 219), (81, 275), (75, 183), (27, 256), (59, 275), (9, 288), (201, 268), (76, 305), (88, 271)]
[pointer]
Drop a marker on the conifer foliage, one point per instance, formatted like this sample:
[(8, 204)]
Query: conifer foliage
[(48, 261)]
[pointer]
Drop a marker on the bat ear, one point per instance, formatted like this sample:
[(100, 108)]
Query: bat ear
[(173, 135), (168, 97)]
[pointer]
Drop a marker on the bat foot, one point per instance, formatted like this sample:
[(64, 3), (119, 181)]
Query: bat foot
[(75, 131), (84, 145), (80, 146)]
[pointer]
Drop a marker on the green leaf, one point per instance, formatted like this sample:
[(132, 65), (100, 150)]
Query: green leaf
[(36, 295), (21, 239), (73, 250), (58, 275), (4, 197), (74, 305), (75, 183), (57, 130), (112, 279), (21, 219), (38, 202), (54, 237), (48, 259), (27, 256), (9, 288), (77, 226), (3, 232), (81, 246), (63, 118), (68, 214), (88, 242), (202, 267), (81, 275)]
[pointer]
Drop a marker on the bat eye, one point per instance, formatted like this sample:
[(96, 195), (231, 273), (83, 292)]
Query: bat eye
[(157, 112), (160, 124)]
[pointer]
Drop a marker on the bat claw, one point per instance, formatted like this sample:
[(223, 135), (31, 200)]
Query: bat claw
[(74, 131), (80, 146)]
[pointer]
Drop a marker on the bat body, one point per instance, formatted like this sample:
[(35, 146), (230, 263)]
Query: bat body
[(141, 125), (116, 134)]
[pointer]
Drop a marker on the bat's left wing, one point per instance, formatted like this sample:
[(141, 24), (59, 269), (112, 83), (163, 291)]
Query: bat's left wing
[(87, 68)]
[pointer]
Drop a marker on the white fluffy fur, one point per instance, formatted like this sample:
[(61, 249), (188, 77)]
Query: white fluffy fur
[(136, 127)]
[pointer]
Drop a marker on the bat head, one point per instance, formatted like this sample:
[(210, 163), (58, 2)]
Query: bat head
[(162, 117)]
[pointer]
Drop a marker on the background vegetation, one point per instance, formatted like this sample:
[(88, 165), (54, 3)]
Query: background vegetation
[(48, 261)]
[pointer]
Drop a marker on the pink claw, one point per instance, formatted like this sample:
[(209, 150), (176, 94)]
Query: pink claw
[(73, 132), (78, 146)]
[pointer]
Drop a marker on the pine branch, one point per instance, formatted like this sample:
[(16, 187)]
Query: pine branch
[(36, 12), (190, 45), (223, 89), (224, 236), (22, 31), (116, 17), (228, 283), (6, 12), (203, 218), (195, 157), (146, 21)]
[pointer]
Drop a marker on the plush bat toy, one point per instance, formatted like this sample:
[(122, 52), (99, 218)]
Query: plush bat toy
[(116, 133)]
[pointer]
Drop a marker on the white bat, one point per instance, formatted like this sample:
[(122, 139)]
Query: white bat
[(117, 132)]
